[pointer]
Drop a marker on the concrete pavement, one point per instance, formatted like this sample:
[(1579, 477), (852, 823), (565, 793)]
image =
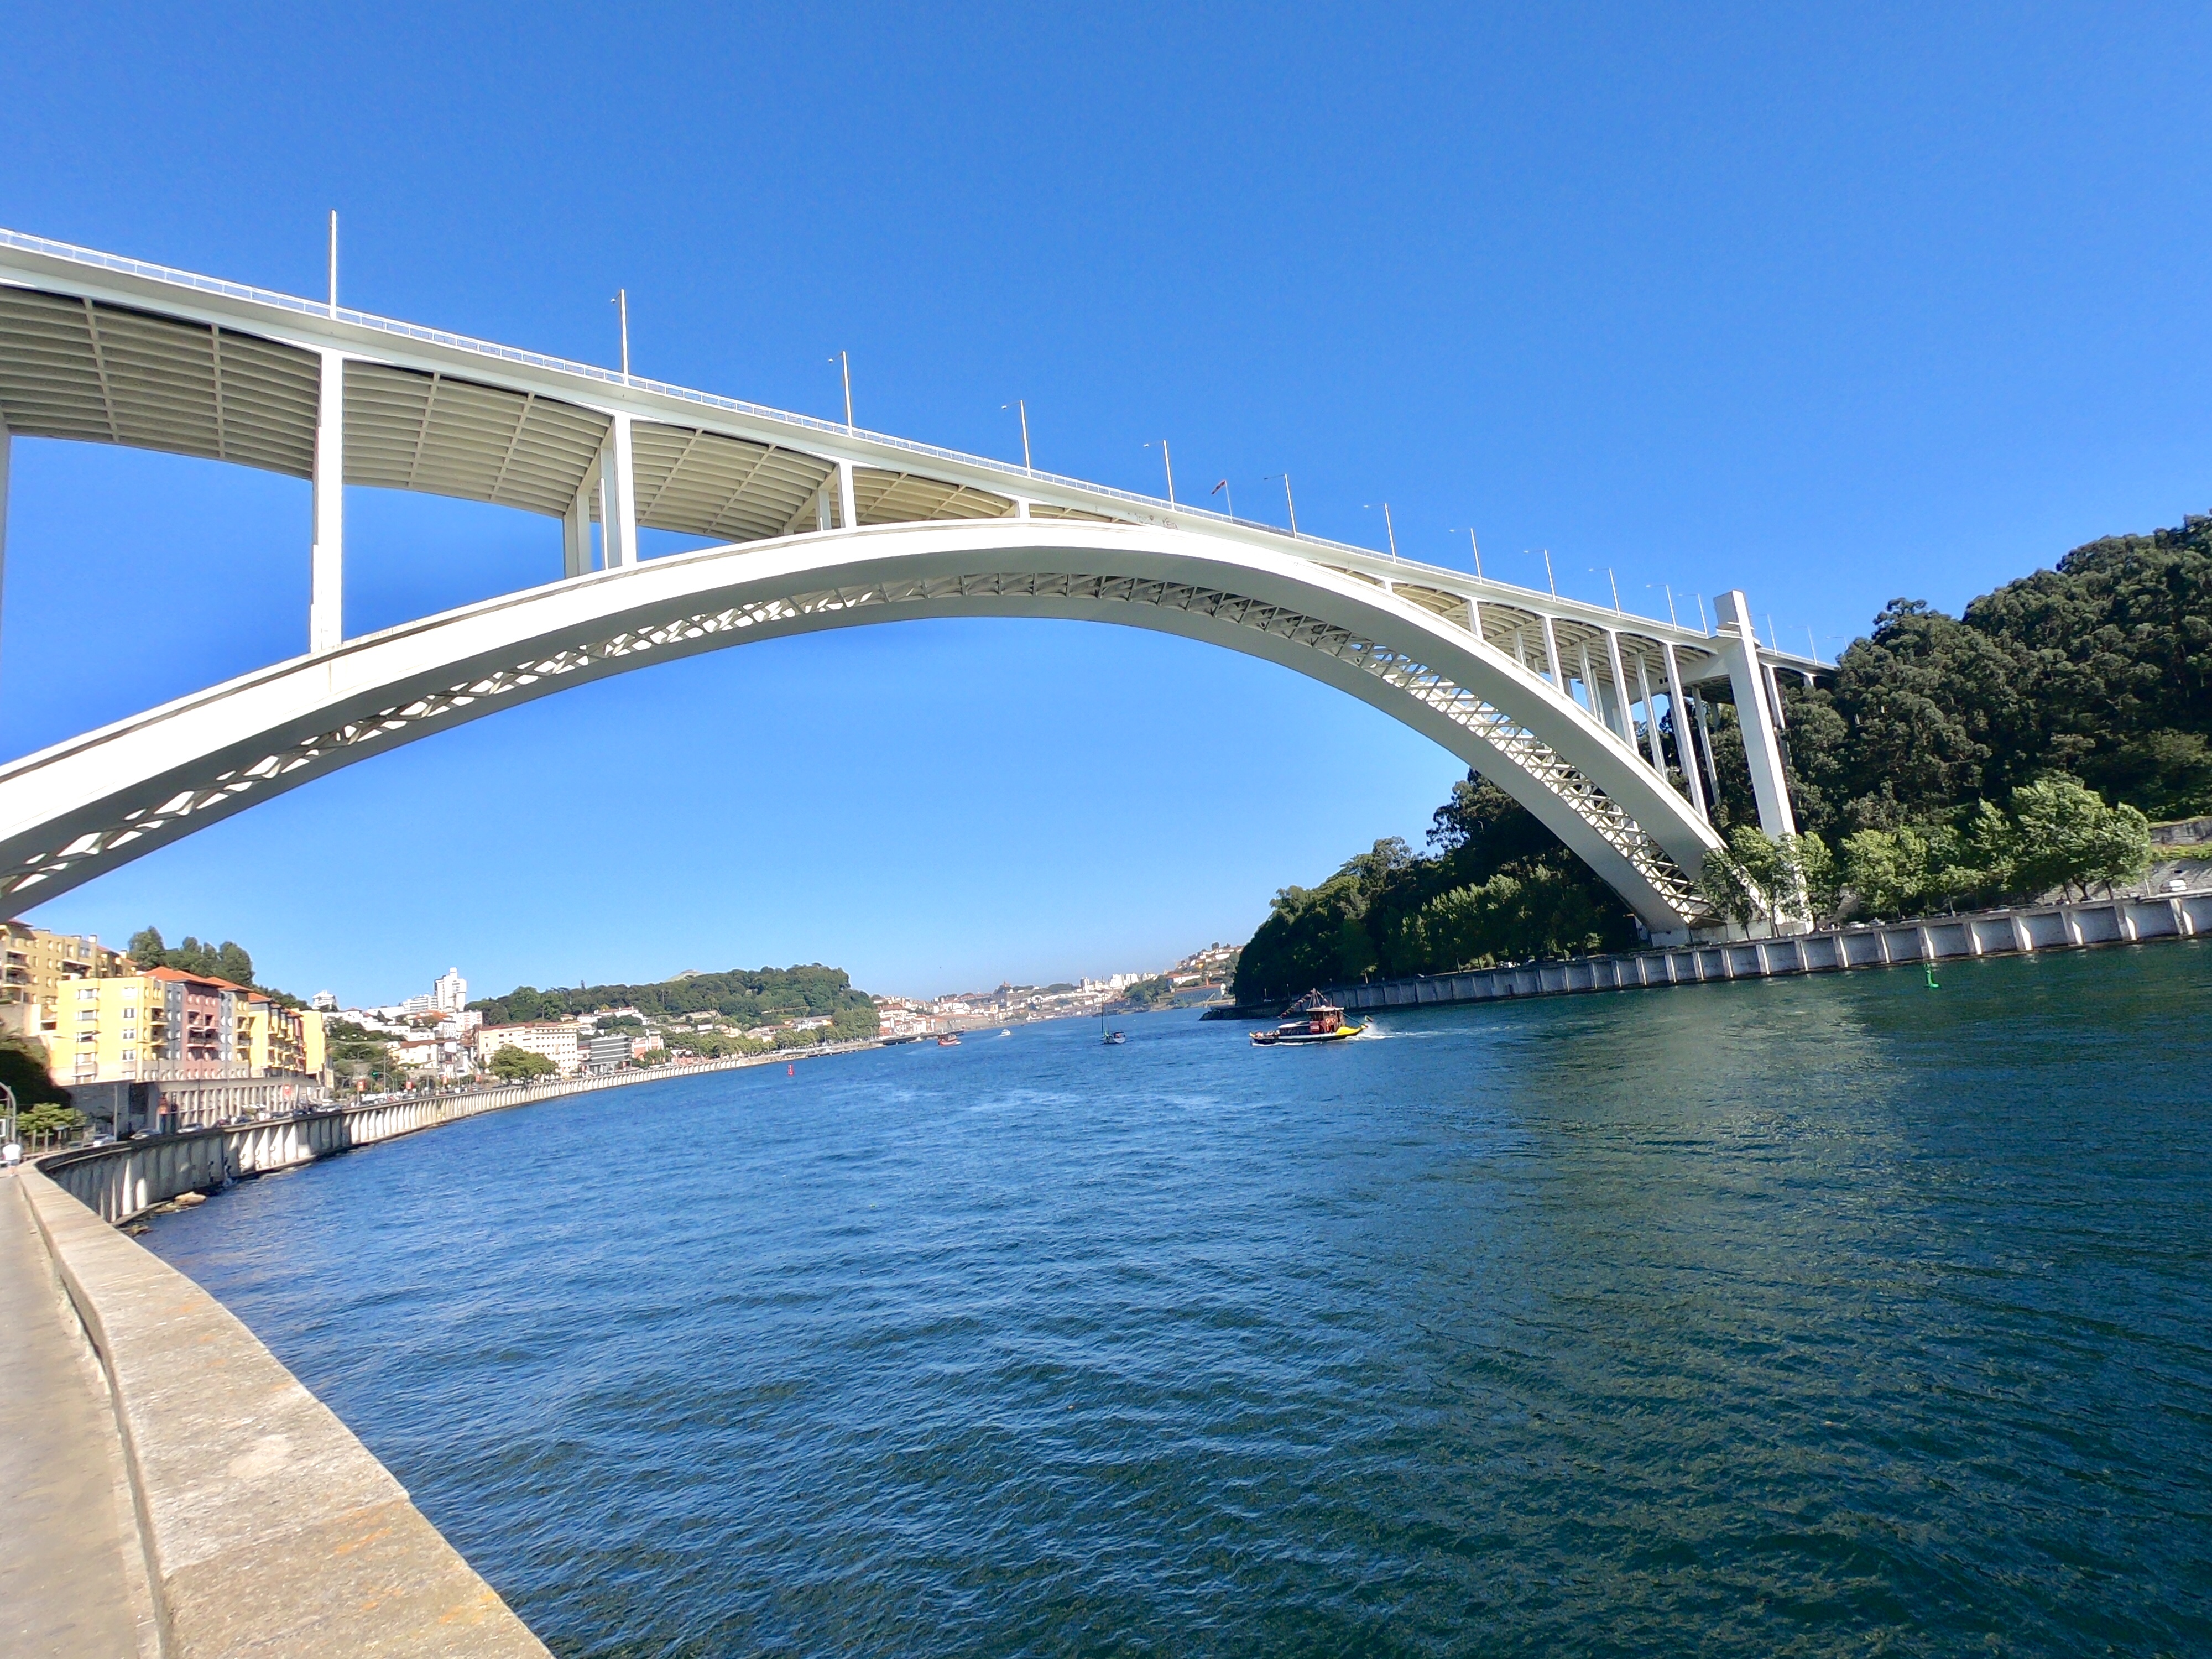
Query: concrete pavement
[(72, 1575)]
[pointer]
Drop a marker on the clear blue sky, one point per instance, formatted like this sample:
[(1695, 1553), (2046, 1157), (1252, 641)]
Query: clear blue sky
[(1834, 307)]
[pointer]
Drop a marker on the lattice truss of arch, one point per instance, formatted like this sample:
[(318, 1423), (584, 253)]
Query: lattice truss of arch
[(328, 749)]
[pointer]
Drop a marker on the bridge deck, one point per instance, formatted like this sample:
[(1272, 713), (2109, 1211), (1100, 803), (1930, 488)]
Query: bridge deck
[(72, 1559)]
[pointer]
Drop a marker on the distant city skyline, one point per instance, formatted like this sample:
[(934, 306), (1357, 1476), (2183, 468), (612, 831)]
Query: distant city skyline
[(1843, 309)]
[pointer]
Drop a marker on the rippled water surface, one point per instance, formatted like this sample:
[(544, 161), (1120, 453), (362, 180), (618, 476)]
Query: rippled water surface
[(1839, 1315)]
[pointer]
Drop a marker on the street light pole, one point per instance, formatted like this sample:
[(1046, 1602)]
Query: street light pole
[(622, 305), (845, 367), (1387, 528), (1169, 460), (1475, 548)]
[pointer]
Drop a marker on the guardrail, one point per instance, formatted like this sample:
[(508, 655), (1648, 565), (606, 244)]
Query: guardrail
[(147, 271)]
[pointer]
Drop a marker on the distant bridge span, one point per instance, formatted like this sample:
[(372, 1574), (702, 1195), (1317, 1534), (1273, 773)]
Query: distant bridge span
[(824, 525)]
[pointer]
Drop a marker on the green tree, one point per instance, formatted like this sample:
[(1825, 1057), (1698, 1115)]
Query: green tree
[(1155, 992), (1494, 886), (514, 1065), (1758, 877), (23, 1068), (233, 964), (1889, 872), (2066, 837), (146, 949), (47, 1119)]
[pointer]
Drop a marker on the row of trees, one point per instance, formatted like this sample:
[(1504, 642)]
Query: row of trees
[(227, 961), (2054, 834)]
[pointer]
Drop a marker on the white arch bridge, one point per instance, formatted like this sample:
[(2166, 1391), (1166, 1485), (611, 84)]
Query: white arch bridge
[(821, 524)]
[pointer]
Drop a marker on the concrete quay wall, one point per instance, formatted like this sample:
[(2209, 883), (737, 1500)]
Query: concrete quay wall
[(119, 1182), (267, 1527), (1938, 938)]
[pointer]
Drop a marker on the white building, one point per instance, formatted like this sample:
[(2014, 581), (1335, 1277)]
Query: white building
[(449, 992), (555, 1039)]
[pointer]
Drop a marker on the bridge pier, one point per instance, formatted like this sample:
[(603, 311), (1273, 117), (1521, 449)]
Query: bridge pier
[(1762, 741), (617, 497), (576, 533), (5, 440), (326, 599)]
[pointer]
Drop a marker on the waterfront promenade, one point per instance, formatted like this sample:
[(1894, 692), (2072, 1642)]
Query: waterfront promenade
[(170, 1487), (72, 1578)]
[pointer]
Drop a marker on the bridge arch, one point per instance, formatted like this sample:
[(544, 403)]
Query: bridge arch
[(88, 804)]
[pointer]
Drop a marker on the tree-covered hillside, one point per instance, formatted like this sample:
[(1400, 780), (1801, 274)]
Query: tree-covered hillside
[(1495, 886), (757, 996), (2100, 669), (2014, 750)]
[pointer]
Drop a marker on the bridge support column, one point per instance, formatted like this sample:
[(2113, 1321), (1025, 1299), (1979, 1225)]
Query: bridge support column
[(1553, 666), (619, 497), (1622, 722), (4, 441), (576, 533), (1762, 740), (1651, 716), (326, 588), (1678, 710), (848, 516)]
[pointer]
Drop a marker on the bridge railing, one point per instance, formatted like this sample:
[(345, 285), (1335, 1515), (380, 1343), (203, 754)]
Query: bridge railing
[(1512, 592)]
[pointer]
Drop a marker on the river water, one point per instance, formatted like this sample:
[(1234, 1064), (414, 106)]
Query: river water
[(1817, 1316)]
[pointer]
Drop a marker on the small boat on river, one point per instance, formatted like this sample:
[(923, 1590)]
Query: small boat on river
[(950, 1039), (1312, 1018)]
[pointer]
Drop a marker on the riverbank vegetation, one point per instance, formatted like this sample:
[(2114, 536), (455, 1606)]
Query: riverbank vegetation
[(741, 997), (1494, 886), (229, 961), (2020, 749)]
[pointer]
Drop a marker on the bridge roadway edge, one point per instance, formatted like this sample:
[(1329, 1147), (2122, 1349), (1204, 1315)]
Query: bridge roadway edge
[(266, 1526), (2018, 932)]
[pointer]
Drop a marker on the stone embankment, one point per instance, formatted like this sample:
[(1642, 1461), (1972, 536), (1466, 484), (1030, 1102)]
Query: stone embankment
[(121, 1181), (1938, 938), (266, 1527)]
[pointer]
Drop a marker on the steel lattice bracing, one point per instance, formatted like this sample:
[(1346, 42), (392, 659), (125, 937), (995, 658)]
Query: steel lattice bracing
[(1541, 691), (87, 807)]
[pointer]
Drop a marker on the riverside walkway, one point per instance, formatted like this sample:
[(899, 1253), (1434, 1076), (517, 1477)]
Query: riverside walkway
[(72, 1577)]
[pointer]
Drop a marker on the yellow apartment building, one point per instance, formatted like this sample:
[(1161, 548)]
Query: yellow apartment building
[(173, 1026)]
